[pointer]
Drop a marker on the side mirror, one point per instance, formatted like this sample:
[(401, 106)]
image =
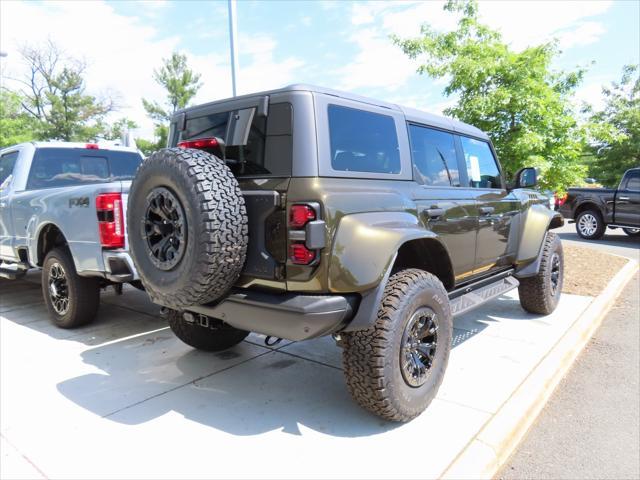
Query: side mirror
[(526, 178)]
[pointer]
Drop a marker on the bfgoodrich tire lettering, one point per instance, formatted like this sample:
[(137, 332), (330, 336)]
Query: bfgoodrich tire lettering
[(213, 223), (373, 358), (541, 293)]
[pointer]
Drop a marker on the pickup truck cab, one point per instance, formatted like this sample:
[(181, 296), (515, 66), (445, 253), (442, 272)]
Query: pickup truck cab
[(595, 209), (62, 209)]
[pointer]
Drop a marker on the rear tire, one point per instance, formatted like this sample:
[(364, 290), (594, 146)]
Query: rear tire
[(590, 225), (187, 227), (632, 232), (541, 293), (216, 337), (72, 300), (394, 368)]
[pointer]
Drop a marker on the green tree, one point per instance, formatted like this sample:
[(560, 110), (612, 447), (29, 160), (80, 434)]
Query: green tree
[(55, 96), (16, 126), (181, 84), (513, 96), (615, 130), (115, 130)]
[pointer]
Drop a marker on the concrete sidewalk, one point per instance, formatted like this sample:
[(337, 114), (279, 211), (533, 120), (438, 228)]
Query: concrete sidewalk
[(124, 397)]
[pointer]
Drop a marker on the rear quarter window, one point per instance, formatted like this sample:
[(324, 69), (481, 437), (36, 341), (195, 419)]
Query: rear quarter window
[(62, 167), (363, 141)]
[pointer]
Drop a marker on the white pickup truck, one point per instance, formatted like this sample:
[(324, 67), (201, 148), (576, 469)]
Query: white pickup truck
[(62, 209)]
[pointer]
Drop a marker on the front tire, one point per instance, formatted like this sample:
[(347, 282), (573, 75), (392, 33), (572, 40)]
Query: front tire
[(589, 225), (541, 293), (632, 232), (72, 300), (394, 368), (215, 337)]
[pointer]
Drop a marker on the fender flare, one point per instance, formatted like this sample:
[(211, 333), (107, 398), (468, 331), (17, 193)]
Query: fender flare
[(537, 222)]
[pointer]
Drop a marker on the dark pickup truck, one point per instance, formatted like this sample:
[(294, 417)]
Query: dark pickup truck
[(595, 209)]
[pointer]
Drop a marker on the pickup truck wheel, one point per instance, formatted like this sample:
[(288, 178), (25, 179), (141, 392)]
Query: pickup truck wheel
[(590, 226), (71, 300), (394, 369), (187, 227), (541, 293), (214, 336), (632, 232)]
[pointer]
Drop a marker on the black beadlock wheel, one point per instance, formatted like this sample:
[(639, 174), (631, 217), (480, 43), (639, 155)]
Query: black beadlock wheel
[(187, 227), (541, 292), (394, 369), (72, 300), (204, 333)]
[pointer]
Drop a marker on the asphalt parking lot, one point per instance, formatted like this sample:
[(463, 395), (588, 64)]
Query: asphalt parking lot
[(124, 397)]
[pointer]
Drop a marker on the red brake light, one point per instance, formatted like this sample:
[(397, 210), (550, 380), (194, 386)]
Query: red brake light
[(300, 254), (92, 146), (560, 200), (300, 215), (199, 143), (110, 220)]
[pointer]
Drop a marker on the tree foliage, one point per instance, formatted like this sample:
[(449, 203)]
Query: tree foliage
[(181, 84), (615, 130), (117, 128), (54, 95), (513, 96), (16, 126)]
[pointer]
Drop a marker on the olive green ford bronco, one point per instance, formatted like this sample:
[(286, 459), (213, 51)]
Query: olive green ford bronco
[(304, 212)]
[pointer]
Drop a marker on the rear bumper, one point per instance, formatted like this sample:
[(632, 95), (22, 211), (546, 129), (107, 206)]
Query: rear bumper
[(118, 266), (291, 316)]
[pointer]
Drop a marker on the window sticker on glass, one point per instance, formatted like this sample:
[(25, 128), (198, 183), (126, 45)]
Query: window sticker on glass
[(474, 168)]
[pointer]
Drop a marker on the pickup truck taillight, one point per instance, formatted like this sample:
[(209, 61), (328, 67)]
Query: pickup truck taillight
[(110, 220)]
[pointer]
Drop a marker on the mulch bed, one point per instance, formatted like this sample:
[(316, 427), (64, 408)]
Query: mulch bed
[(587, 271)]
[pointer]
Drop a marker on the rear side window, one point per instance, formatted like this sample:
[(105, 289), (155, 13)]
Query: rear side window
[(633, 183), (481, 165), (255, 145), (61, 167), (363, 141), (7, 162), (434, 156)]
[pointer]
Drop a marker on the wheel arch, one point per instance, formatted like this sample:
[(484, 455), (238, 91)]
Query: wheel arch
[(587, 205), (49, 236)]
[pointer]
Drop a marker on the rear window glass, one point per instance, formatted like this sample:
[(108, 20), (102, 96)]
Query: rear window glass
[(633, 183), (363, 141), (434, 156), (255, 145), (61, 167)]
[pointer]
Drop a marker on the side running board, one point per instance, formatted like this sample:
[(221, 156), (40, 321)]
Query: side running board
[(471, 297), (13, 271)]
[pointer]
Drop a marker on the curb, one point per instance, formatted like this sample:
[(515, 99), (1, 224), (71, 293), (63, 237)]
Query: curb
[(495, 442)]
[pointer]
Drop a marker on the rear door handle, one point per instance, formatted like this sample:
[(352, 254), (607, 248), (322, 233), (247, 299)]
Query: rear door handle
[(435, 212), (487, 210), (623, 198)]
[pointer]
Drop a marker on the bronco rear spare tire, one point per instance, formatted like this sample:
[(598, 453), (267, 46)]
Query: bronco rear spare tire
[(187, 227)]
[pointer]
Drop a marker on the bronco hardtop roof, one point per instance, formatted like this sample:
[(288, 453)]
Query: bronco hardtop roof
[(411, 114)]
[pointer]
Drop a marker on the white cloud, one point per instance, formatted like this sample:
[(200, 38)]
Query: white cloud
[(584, 34), (377, 64), (122, 52)]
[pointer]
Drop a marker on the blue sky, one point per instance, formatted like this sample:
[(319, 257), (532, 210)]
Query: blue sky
[(341, 45)]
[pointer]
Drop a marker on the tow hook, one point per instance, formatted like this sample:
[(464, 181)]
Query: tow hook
[(269, 343), (338, 339)]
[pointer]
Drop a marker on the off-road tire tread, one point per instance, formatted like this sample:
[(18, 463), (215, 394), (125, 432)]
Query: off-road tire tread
[(222, 246), (364, 351), (203, 338), (535, 292), (84, 292)]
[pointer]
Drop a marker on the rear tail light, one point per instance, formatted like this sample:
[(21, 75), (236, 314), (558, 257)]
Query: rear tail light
[(299, 216), (300, 254), (110, 220), (200, 144), (560, 200)]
